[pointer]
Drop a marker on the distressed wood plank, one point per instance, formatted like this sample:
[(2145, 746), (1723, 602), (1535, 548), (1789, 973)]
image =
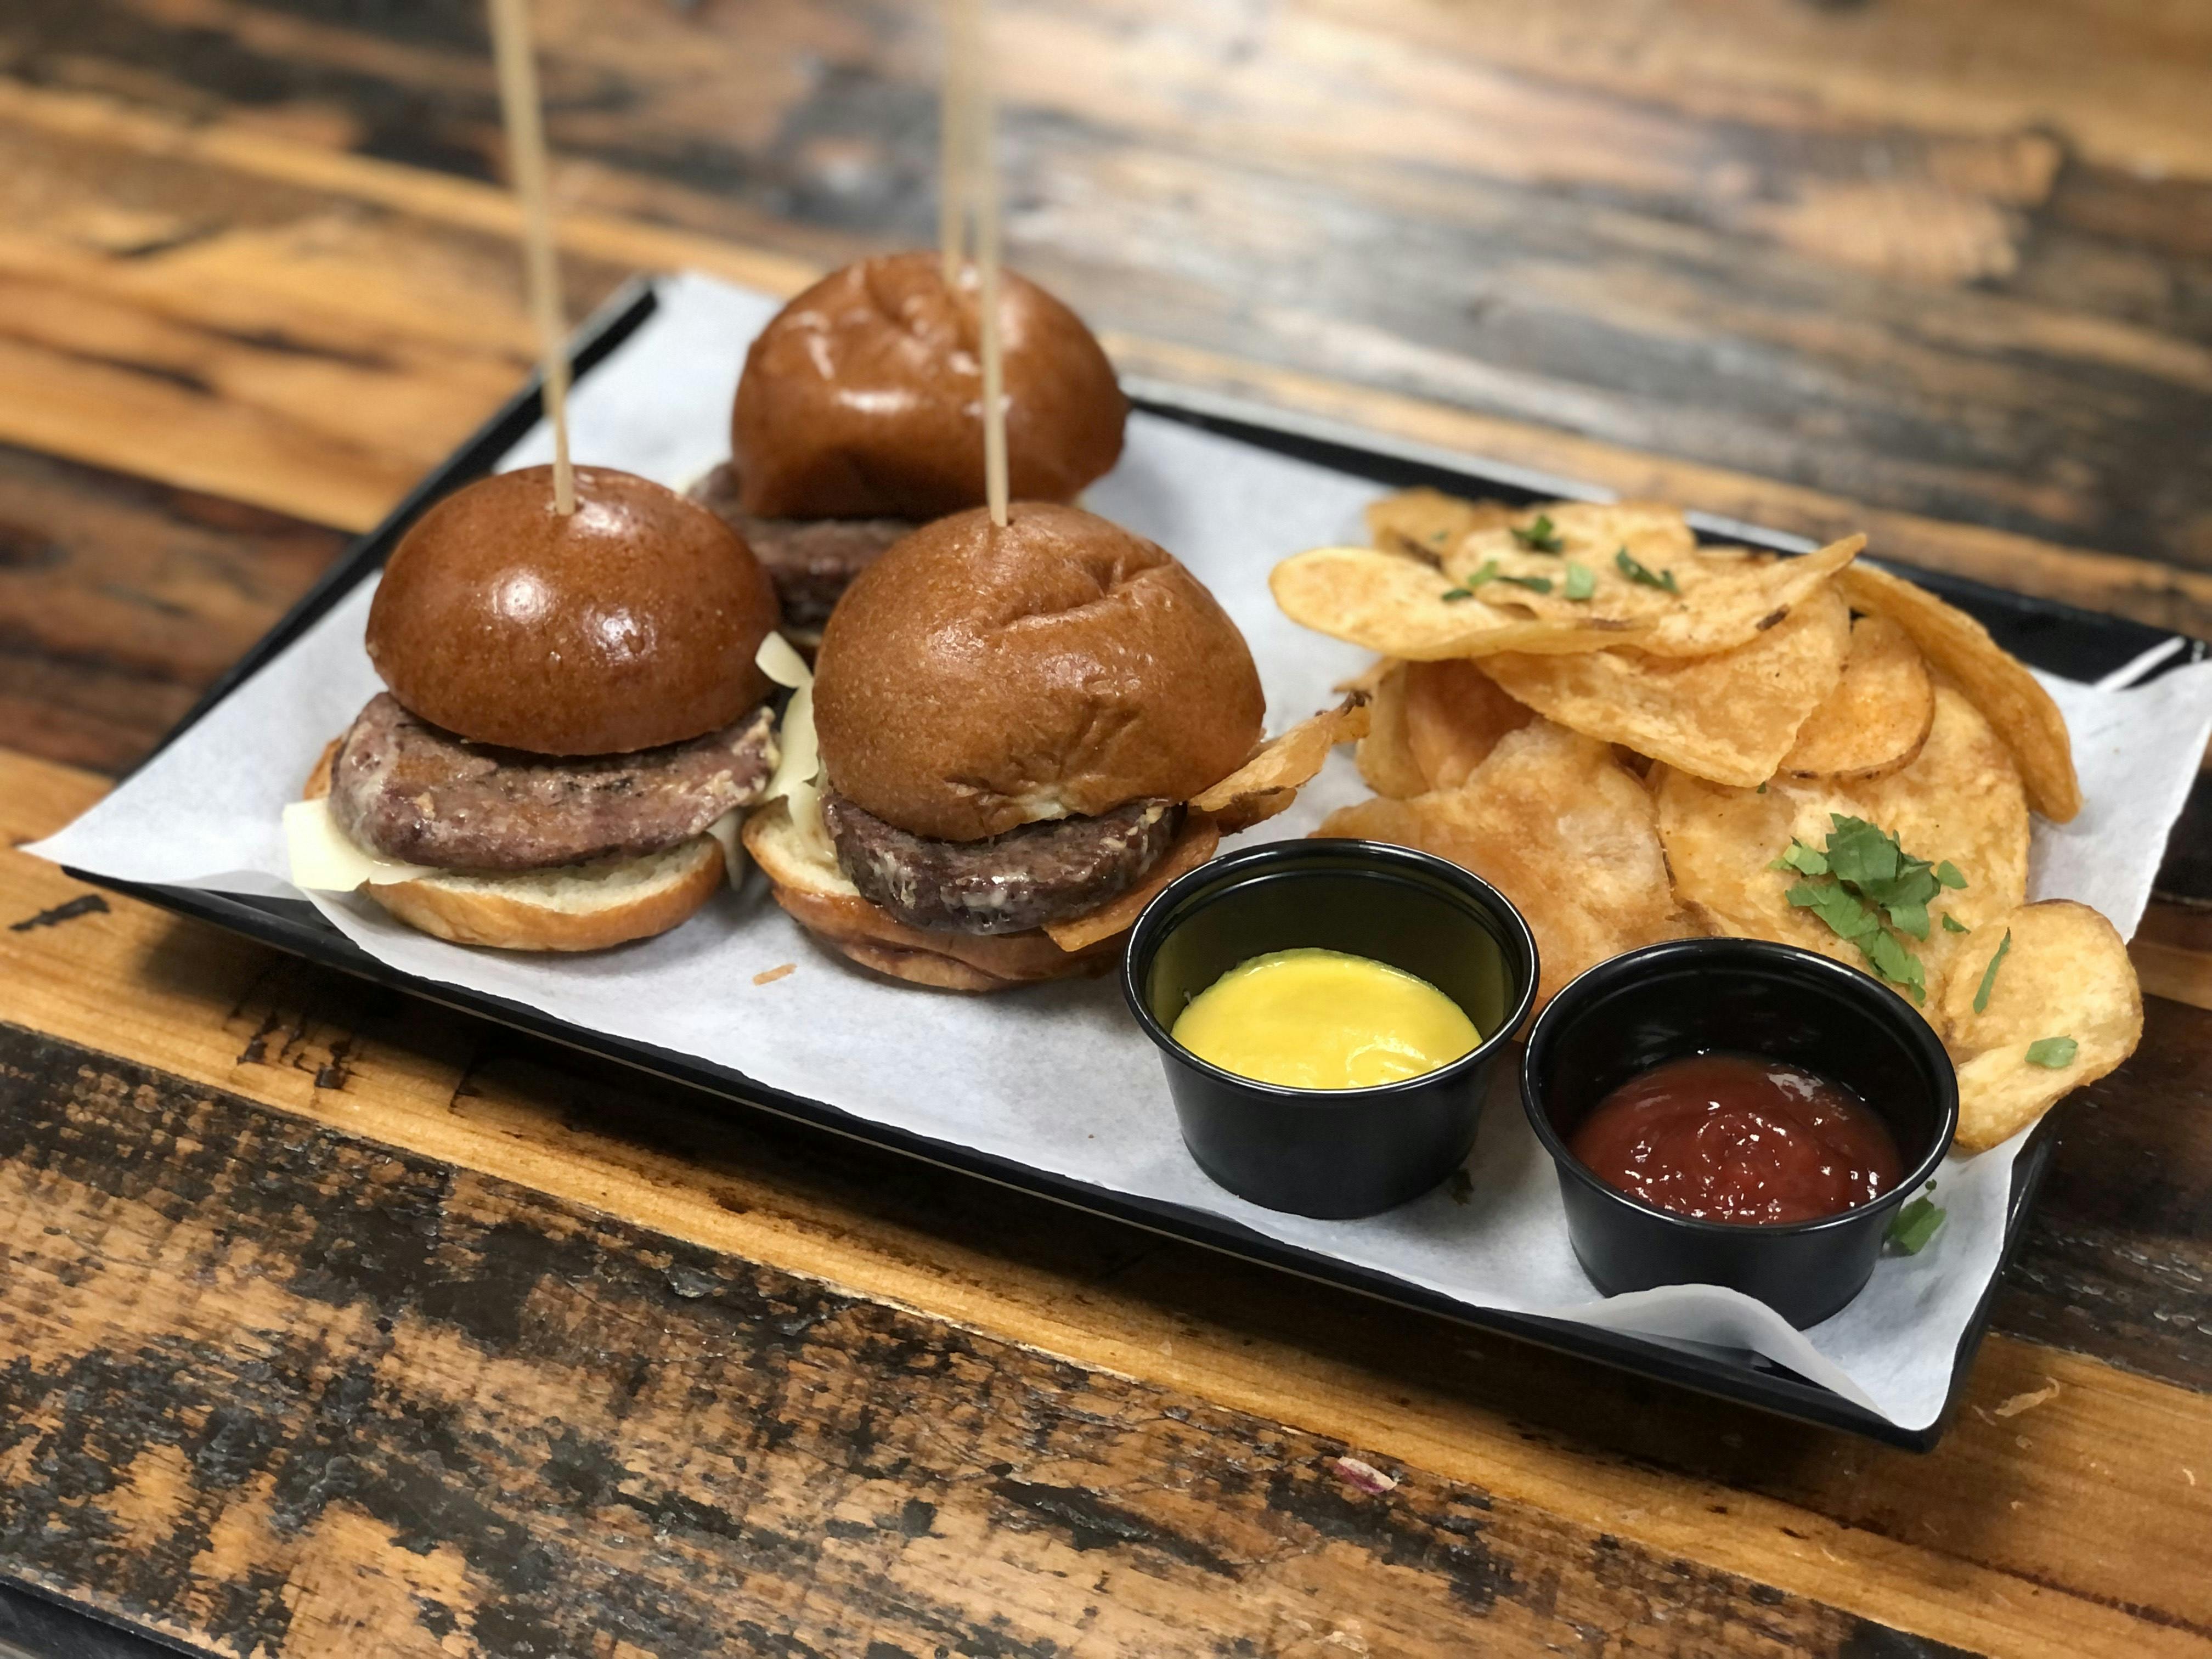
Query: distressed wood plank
[(121, 600), (1929, 266), (383, 248), (1987, 1544), (284, 1392)]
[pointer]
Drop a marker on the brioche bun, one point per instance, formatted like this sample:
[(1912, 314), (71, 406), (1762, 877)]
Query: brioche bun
[(814, 891), (630, 623), (863, 397), (576, 906), (974, 678)]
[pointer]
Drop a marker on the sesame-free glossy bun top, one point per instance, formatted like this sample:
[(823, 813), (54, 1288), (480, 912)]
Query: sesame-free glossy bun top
[(863, 397), (974, 678), (629, 623)]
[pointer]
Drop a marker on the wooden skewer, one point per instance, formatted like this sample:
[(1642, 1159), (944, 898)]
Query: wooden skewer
[(525, 146), (982, 199)]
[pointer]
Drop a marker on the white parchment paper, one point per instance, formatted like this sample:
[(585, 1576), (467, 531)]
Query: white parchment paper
[(1058, 1077)]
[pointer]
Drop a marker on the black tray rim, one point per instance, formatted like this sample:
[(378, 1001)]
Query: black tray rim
[(296, 928)]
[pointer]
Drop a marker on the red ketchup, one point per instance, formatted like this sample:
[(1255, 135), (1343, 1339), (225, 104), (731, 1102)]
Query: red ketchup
[(1736, 1137)]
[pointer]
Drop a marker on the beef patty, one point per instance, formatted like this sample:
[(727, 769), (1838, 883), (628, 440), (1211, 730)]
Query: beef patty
[(410, 790), (810, 561), (1009, 884)]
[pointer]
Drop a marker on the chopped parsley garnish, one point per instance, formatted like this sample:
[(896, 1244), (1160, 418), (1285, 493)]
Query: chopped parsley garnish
[(1915, 1224), (1582, 581), (1989, 974), (1539, 537), (1952, 924), (1491, 572), (1869, 889), (1635, 571), (2054, 1053), (1468, 584)]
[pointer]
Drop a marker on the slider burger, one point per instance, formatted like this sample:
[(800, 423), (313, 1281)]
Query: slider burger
[(858, 418), (1022, 734), (575, 713)]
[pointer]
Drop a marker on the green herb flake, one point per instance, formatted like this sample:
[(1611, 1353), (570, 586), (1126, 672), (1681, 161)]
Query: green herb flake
[(1582, 582), (1952, 924), (1805, 860), (1914, 1225), (1539, 537), (1468, 584), (1868, 889), (2054, 1053), (1947, 873), (1451, 595), (1989, 974), (1629, 566), (1534, 584)]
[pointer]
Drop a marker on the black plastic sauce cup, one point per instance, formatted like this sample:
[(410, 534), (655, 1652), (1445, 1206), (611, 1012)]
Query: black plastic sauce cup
[(1331, 1152), (1700, 995)]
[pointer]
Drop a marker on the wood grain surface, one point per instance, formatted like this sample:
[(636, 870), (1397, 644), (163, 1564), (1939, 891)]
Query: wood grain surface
[(335, 1323), (2070, 1523), (272, 225)]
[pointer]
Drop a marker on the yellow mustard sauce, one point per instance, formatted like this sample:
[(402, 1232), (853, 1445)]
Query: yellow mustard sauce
[(1321, 1019)]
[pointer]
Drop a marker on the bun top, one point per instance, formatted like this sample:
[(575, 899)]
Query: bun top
[(863, 397), (632, 623), (974, 679)]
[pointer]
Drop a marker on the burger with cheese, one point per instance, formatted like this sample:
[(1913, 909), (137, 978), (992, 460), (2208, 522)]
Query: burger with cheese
[(573, 717), (858, 418), (1020, 733)]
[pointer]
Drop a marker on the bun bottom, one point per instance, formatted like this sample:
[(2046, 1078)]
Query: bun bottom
[(575, 907), (815, 893)]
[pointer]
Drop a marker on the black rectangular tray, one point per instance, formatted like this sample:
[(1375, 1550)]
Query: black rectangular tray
[(2079, 644)]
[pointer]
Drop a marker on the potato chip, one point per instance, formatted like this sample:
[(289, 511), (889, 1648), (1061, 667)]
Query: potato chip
[(1959, 800), (1998, 683), (1271, 780), (1558, 827), (1454, 715), (1386, 754), (1729, 718), (2062, 1009), (1638, 565), (1427, 523), (1396, 605), (1878, 715)]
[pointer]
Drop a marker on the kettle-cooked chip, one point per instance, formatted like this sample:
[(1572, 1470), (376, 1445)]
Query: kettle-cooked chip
[(1396, 605), (1386, 754), (1877, 717), (1998, 683), (2061, 1008), (1454, 715), (1632, 563), (1958, 801), (1550, 820), (1729, 718), (1270, 781), (1427, 523)]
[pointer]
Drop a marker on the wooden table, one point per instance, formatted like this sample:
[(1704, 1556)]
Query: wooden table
[(337, 1324)]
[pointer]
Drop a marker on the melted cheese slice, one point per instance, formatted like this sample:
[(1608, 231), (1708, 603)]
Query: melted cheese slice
[(725, 829), (798, 773), (325, 860)]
